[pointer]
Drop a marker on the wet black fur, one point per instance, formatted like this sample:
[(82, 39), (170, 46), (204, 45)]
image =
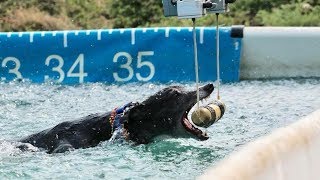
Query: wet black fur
[(159, 114)]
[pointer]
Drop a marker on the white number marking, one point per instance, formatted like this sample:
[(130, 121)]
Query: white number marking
[(133, 36), (57, 68), (79, 61), (140, 64), (15, 70), (65, 39), (145, 63), (81, 74), (123, 66)]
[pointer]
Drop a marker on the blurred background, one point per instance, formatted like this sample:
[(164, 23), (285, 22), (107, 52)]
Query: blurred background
[(33, 15)]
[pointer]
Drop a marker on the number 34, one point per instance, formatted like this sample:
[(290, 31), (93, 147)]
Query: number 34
[(79, 61), (140, 64)]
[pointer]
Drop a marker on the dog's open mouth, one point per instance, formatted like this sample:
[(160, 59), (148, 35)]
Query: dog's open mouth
[(192, 128), (205, 92)]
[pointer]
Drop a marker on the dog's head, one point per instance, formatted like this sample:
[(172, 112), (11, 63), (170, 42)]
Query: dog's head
[(166, 112)]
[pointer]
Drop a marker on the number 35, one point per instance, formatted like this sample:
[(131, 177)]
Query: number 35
[(140, 64)]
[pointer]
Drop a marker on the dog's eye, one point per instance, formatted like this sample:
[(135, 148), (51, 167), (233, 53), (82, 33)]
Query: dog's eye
[(176, 92)]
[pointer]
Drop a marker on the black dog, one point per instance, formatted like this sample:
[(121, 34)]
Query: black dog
[(164, 113)]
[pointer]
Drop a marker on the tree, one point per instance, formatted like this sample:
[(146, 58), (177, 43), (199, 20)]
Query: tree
[(134, 13)]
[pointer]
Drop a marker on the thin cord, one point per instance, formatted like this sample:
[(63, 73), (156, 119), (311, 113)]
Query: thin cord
[(218, 57), (196, 59)]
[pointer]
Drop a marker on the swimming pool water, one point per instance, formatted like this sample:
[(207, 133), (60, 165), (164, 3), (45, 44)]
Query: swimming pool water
[(254, 108)]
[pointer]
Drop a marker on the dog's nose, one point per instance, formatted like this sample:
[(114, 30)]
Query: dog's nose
[(208, 87)]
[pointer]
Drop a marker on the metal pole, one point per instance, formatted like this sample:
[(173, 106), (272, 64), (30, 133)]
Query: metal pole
[(218, 56), (196, 59)]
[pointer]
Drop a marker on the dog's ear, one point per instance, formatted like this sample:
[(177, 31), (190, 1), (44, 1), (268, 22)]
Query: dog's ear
[(137, 125), (136, 113)]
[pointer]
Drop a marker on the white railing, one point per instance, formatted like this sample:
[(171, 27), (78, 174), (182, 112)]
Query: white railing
[(277, 52)]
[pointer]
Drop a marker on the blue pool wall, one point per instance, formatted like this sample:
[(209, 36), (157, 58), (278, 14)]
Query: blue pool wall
[(118, 55)]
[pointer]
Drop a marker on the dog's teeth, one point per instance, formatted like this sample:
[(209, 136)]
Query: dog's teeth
[(204, 134)]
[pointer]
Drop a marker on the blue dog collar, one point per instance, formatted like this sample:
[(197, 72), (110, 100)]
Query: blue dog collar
[(116, 121)]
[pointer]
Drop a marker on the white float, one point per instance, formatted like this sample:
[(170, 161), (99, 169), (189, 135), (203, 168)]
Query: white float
[(290, 153)]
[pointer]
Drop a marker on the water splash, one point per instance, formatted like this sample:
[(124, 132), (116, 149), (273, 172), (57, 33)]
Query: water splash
[(254, 108)]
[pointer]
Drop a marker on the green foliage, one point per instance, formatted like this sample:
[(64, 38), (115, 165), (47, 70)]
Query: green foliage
[(87, 14), (134, 13), (274, 12), (300, 14), (50, 6), (21, 15), (7, 5)]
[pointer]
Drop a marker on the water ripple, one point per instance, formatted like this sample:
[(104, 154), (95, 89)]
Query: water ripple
[(254, 108)]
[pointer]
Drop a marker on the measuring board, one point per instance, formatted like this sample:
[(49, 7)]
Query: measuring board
[(117, 55)]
